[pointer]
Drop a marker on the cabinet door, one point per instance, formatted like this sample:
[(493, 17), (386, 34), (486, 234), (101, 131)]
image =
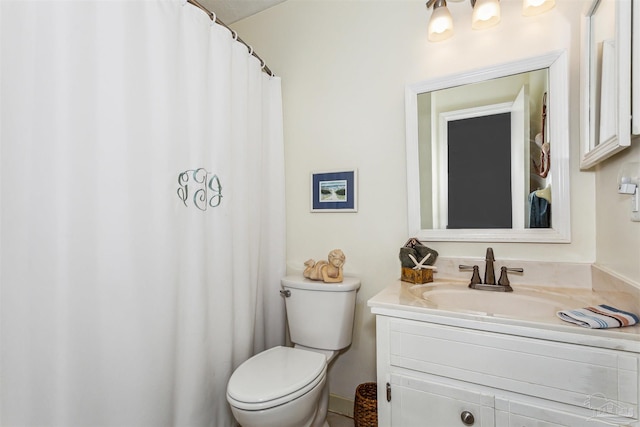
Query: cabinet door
[(418, 402), (528, 415)]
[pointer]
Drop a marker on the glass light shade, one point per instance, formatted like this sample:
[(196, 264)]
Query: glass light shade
[(536, 7), (486, 13), (441, 24)]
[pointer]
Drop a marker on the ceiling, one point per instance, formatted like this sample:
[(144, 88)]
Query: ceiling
[(230, 11)]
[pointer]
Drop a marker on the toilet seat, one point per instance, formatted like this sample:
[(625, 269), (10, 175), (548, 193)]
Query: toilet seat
[(274, 377)]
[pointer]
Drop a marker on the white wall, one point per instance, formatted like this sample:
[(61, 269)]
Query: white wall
[(618, 239), (344, 66)]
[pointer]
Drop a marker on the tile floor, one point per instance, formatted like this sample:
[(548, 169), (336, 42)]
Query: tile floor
[(337, 420)]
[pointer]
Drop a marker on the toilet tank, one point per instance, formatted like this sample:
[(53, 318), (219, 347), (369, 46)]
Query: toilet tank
[(320, 315)]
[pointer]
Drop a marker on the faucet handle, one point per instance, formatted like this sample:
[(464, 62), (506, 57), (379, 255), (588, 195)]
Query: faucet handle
[(504, 279), (475, 277)]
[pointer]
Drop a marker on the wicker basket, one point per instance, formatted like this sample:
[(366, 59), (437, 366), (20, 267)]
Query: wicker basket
[(365, 407)]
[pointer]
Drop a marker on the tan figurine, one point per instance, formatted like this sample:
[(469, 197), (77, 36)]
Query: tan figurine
[(329, 272)]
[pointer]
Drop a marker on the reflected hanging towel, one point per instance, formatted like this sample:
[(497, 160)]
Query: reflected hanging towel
[(539, 212), (599, 317)]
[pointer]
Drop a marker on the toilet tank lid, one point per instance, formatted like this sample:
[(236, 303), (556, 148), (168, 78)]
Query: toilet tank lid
[(299, 282), (275, 373)]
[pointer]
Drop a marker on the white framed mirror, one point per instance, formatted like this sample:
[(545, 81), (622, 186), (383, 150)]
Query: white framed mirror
[(605, 118), (516, 89)]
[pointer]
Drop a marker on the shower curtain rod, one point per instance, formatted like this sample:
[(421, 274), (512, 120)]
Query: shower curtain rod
[(214, 18)]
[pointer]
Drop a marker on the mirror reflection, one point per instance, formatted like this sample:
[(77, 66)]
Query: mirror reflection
[(484, 154), (488, 153)]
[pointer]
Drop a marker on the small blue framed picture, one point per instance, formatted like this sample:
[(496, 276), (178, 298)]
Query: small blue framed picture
[(334, 191)]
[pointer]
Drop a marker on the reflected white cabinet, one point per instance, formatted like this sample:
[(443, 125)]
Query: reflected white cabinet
[(436, 375)]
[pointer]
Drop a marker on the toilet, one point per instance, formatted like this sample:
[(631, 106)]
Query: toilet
[(288, 386)]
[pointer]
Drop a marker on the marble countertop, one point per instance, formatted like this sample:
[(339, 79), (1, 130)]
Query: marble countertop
[(405, 300)]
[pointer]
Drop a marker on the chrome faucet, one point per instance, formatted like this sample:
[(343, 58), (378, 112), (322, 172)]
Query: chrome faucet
[(489, 284)]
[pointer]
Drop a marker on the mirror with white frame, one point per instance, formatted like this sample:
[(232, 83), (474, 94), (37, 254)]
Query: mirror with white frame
[(606, 126), (515, 94)]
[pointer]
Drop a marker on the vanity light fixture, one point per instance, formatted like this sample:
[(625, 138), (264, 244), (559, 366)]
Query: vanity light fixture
[(486, 14), (536, 7), (441, 23)]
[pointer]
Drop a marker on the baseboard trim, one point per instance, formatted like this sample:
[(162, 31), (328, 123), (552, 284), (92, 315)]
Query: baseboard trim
[(341, 405)]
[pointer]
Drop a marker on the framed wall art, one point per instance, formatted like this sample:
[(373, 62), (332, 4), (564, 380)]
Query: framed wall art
[(334, 191)]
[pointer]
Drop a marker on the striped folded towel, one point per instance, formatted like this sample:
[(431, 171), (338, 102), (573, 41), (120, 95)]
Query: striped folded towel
[(599, 317)]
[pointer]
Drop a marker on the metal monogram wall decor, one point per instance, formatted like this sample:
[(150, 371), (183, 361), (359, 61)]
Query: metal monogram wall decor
[(201, 187)]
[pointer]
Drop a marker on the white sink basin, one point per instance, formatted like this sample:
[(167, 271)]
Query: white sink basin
[(533, 303)]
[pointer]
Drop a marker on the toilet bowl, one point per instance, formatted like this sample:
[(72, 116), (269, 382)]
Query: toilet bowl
[(280, 387), (287, 386)]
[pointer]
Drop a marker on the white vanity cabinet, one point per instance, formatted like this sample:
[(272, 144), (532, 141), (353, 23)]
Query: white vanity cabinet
[(438, 375), (527, 415), (423, 402)]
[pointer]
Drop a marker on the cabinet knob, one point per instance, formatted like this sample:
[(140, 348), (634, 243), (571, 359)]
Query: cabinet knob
[(467, 418)]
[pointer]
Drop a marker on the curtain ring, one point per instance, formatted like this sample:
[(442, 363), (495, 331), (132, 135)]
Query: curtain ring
[(262, 64), (235, 35), (213, 17), (250, 49)]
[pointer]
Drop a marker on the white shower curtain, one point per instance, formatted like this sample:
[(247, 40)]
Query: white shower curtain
[(141, 213)]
